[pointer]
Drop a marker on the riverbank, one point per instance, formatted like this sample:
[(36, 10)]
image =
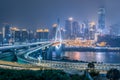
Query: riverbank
[(92, 49), (15, 71)]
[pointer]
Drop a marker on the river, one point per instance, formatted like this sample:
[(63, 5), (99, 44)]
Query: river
[(105, 57)]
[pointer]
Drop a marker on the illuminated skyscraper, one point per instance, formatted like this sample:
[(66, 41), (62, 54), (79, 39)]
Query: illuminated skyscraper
[(16, 34), (101, 18), (92, 30), (24, 35), (86, 30), (1, 37), (53, 31), (31, 36), (68, 28), (6, 32), (39, 34), (45, 34), (76, 28), (42, 34), (115, 30)]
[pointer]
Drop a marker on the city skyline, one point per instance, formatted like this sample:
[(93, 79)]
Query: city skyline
[(59, 40), (29, 14)]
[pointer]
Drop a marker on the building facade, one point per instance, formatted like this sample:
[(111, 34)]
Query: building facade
[(6, 33), (101, 19), (68, 29)]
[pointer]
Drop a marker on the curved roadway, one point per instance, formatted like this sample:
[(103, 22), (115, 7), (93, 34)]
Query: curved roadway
[(64, 65)]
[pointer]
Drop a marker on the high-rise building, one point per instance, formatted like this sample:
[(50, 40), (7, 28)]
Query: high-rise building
[(31, 36), (68, 28), (82, 30), (54, 30), (115, 30), (39, 34), (42, 34), (16, 34), (1, 38), (63, 33), (24, 35), (6, 33), (76, 29), (92, 30), (86, 30), (101, 19), (45, 33)]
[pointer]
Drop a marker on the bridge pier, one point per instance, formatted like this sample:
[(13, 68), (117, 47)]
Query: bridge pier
[(58, 51), (44, 53), (49, 53)]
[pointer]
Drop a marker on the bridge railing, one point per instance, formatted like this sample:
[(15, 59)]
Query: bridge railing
[(23, 45), (77, 66)]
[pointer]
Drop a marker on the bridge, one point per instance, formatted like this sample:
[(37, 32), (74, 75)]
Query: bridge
[(66, 65), (62, 64), (25, 55), (23, 45)]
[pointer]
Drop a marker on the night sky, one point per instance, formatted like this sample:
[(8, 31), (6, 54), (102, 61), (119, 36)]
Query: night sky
[(43, 13)]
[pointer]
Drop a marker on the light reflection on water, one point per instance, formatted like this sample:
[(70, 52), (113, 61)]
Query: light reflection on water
[(105, 57)]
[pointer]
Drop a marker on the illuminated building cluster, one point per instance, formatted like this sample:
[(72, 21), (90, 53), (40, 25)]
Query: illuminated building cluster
[(11, 34), (42, 34), (74, 30)]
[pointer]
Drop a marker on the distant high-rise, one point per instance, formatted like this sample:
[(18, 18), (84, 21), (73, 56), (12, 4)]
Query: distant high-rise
[(53, 31), (16, 34), (92, 30), (31, 36), (76, 28), (6, 32), (39, 34), (42, 34), (46, 34), (101, 18), (1, 37), (68, 28), (24, 35), (115, 30), (86, 30)]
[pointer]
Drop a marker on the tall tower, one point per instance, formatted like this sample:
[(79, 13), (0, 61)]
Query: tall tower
[(101, 18), (6, 32), (69, 28), (58, 36), (53, 31), (76, 28)]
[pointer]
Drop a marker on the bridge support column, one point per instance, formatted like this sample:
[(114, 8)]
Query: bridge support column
[(29, 47), (49, 53), (44, 53), (15, 51), (58, 51)]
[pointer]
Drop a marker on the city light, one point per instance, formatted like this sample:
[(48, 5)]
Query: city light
[(24, 29), (15, 29), (46, 30), (70, 18), (55, 25), (92, 24), (39, 30), (60, 39)]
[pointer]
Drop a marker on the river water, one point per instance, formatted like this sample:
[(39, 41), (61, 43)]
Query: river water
[(105, 57)]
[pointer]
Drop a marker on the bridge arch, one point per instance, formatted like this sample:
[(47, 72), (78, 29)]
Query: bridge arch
[(58, 36)]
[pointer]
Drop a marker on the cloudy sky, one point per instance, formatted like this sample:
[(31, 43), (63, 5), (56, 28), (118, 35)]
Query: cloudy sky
[(43, 13)]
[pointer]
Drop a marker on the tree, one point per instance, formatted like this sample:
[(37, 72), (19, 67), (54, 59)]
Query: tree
[(113, 74), (91, 65)]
